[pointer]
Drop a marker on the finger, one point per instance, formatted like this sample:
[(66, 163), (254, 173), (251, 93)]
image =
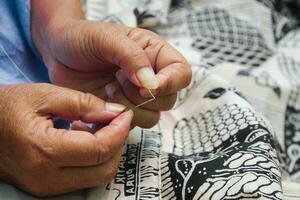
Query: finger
[(75, 105), (79, 148), (88, 127), (80, 126), (79, 79), (86, 177), (132, 93), (142, 117), (127, 54), (173, 71)]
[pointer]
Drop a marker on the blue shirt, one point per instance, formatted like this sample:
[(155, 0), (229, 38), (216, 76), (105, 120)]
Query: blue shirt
[(19, 62)]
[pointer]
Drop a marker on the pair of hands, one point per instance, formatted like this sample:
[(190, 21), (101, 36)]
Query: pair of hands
[(103, 61), (117, 63)]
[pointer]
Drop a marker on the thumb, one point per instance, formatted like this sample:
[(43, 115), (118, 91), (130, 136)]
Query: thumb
[(75, 105), (133, 60)]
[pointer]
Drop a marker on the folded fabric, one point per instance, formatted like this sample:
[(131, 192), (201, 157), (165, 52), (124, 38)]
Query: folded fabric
[(224, 150), (234, 132)]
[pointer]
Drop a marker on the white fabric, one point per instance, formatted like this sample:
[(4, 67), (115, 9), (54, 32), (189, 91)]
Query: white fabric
[(234, 132)]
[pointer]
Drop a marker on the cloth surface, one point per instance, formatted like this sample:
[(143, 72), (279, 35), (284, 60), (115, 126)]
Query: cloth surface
[(234, 132)]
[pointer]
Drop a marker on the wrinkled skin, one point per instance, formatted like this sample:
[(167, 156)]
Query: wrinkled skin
[(43, 160), (86, 55)]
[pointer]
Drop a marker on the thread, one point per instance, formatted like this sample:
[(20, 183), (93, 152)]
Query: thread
[(148, 101)]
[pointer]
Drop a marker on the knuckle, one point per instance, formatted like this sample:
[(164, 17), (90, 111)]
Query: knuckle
[(84, 100), (135, 54), (133, 32), (46, 154), (185, 72), (168, 85), (128, 58), (101, 151)]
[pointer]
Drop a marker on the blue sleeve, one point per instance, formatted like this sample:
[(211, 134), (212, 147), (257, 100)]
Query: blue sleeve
[(19, 61), (23, 10)]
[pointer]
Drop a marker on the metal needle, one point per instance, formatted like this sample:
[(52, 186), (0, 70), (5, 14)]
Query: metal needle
[(148, 101)]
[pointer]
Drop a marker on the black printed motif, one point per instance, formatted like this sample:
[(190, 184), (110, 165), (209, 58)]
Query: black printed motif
[(146, 11), (222, 37), (262, 78), (136, 167), (235, 159), (213, 144), (215, 93), (141, 16), (239, 172), (178, 3), (285, 16), (290, 69), (149, 193), (291, 40), (197, 78), (207, 131), (218, 92)]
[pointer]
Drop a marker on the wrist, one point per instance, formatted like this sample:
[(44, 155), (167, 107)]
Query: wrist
[(49, 19)]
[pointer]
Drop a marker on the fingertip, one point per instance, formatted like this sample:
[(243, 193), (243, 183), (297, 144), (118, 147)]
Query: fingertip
[(114, 107), (123, 118), (130, 113), (79, 126), (164, 79), (120, 77), (110, 90)]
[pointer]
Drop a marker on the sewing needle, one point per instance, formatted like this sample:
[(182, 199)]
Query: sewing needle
[(148, 101)]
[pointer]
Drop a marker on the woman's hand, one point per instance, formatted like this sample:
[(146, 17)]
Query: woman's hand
[(43, 160), (87, 55)]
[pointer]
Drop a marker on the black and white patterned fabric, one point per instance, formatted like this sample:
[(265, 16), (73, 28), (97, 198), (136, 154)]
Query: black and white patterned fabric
[(234, 132), (143, 13)]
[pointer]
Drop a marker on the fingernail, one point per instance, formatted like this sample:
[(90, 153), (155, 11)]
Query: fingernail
[(121, 78), (114, 107), (147, 78), (110, 89)]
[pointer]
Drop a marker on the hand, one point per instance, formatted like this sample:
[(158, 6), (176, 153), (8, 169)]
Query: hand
[(43, 160), (85, 55)]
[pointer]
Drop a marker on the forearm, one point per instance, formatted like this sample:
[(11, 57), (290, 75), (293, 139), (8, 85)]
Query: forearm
[(48, 17)]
